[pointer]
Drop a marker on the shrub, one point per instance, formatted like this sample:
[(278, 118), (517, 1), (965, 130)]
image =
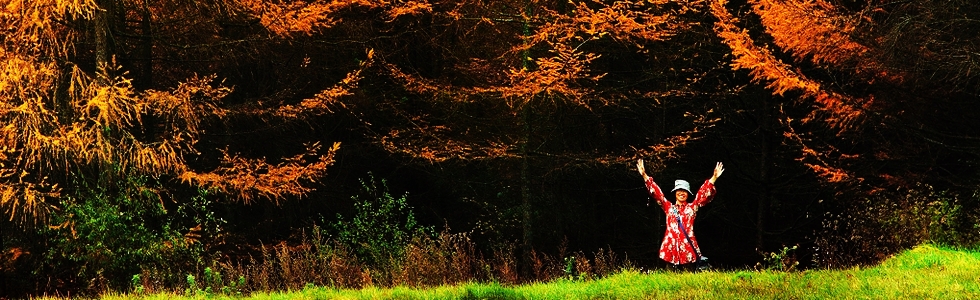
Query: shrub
[(123, 239), (107, 233), (783, 260), (381, 227), (954, 220), (868, 230)]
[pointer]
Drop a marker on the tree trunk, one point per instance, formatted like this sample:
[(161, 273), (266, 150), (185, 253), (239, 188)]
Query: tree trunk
[(526, 197), (763, 201), (102, 33), (145, 80)]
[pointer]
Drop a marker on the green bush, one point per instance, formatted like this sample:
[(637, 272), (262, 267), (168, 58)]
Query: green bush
[(381, 227), (783, 260), (104, 234), (873, 228), (953, 220)]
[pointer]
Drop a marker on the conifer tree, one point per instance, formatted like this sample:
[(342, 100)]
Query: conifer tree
[(888, 99), (84, 91)]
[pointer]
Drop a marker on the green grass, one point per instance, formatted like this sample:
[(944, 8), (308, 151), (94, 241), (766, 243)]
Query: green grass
[(926, 272)]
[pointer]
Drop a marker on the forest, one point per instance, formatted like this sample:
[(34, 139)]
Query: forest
[(266, 145)]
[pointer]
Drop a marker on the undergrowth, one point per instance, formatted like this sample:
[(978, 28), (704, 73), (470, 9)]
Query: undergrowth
[(380, 251), (381, 245), (925, 272)]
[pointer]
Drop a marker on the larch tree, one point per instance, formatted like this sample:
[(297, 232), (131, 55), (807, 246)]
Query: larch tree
[(127, 88), (168, 96), (886, 91)]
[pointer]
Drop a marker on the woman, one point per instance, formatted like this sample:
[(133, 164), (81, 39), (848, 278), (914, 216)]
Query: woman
[(679, 247)]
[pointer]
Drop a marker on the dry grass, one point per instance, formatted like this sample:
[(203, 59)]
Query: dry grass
[(445, 259)]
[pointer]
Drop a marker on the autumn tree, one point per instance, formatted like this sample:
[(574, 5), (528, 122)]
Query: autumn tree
[(887, 95), (72, 102), (100, 92)]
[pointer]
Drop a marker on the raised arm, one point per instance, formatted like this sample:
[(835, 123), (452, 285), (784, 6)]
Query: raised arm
[(707, 191), (719, 168), (652, 187)]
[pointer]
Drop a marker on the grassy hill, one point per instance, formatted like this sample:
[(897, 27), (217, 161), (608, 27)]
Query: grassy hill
[(926, 272)]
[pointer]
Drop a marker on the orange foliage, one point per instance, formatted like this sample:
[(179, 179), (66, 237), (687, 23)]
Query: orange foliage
[(37, 140), (417, 84), (622, 20), (842, 111), (554, 76), (252, 178), (403, 8), (178, 107), (829, 174), (435, 144), (668, 148), (323, 101), (285, 18), (34, 26), (553, 69), (810, 28), (825, 160), (814, 29), (566, 72), (59, 119)]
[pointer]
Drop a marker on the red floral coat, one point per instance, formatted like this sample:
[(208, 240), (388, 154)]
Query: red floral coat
[(675, 249)]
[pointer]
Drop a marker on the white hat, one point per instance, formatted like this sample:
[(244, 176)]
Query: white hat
[(681, 185)]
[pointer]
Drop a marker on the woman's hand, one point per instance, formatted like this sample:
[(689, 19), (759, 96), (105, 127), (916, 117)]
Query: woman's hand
[(719, 168), (641, 169)]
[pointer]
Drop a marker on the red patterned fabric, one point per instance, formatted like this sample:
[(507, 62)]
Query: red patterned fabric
[(675, 249)]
